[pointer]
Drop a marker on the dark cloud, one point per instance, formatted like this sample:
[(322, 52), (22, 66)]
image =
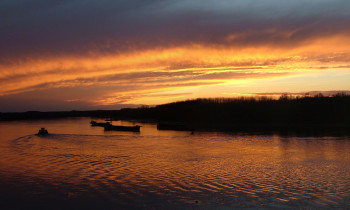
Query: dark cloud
[(31, 103), (73, 52), (41, 27)]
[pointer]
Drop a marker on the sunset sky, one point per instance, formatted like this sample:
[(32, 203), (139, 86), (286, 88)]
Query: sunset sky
[(108, 54)]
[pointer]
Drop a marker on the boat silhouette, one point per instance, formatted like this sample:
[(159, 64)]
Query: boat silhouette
[(101, 124), (174, 126), (43, 131), (111, 127)]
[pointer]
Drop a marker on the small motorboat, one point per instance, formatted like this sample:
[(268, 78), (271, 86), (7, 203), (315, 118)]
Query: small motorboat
[(101, 124), (43, 131), (122, 128)]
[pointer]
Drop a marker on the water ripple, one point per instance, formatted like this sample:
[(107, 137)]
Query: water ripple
[(185, 171)]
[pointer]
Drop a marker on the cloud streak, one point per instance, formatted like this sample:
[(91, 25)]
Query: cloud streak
[(110, 52), (75, 27)]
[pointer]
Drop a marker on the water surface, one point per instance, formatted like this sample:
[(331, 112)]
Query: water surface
[(79, 166)]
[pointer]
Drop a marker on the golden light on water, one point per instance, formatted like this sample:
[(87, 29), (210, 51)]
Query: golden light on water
[(160, 167)]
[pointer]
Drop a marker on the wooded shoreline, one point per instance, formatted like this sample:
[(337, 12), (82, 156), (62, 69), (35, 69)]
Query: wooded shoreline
[(285, 113)]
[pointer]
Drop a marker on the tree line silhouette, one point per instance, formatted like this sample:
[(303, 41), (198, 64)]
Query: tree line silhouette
[(286, 109), (252, 112)]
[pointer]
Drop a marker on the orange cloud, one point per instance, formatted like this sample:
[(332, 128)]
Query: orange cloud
[(131, 76)]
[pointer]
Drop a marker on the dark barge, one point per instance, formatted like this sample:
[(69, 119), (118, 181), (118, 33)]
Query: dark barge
[(111, 127), (101, 124), (174, 127)]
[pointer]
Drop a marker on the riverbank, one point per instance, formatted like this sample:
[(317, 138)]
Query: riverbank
[(303, 114)]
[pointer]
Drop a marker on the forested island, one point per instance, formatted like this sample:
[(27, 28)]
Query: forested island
[(287, 112)]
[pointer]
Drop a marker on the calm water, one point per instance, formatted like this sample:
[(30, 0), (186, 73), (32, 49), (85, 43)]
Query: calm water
[(78, 166)]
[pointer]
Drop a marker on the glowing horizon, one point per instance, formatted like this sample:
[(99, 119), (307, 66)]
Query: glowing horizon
[(165, 57)]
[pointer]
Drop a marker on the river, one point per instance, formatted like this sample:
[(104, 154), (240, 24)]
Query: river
[(78, 166)]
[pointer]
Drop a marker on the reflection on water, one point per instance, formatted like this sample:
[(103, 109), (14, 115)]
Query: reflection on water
[(78, 166)]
